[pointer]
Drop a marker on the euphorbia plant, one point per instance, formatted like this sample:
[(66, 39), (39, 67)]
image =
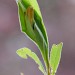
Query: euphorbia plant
[(31, 23)]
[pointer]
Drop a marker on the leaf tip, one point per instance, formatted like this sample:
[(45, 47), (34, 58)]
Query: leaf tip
[(21, 53), (61, 43), (17, 1)]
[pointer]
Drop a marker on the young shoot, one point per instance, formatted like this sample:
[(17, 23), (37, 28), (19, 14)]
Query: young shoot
[(31, 23)]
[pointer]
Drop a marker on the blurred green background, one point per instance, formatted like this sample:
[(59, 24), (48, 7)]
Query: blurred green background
[(59, 19)]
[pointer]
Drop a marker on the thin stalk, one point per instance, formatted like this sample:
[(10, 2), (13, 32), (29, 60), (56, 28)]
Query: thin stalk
[(48, 69), (48, 72)]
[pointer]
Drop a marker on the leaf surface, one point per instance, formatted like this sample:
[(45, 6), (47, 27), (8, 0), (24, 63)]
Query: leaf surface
[(25, 52), (55, 56), (34, 4)]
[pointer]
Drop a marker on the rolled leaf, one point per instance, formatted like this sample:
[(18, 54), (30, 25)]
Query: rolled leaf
[(32, 25)]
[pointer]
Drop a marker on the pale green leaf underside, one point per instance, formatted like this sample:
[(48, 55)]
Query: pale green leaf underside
[(55, 56), (25, 52)]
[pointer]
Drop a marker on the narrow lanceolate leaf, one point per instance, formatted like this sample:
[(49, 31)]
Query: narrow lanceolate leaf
[(31, 23), (55, 56), (25, 52)]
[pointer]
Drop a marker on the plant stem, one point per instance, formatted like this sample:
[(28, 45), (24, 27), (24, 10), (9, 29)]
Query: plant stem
[(48, 69), (48, 66), (48, 73)]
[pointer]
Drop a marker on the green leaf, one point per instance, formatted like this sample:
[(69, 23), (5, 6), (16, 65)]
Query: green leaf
[(55, 56), (35, 30), (33, 3), (25, 52), (22, 6)]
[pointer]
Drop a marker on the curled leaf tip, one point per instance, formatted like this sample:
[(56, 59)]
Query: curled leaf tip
[(16, 1)]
